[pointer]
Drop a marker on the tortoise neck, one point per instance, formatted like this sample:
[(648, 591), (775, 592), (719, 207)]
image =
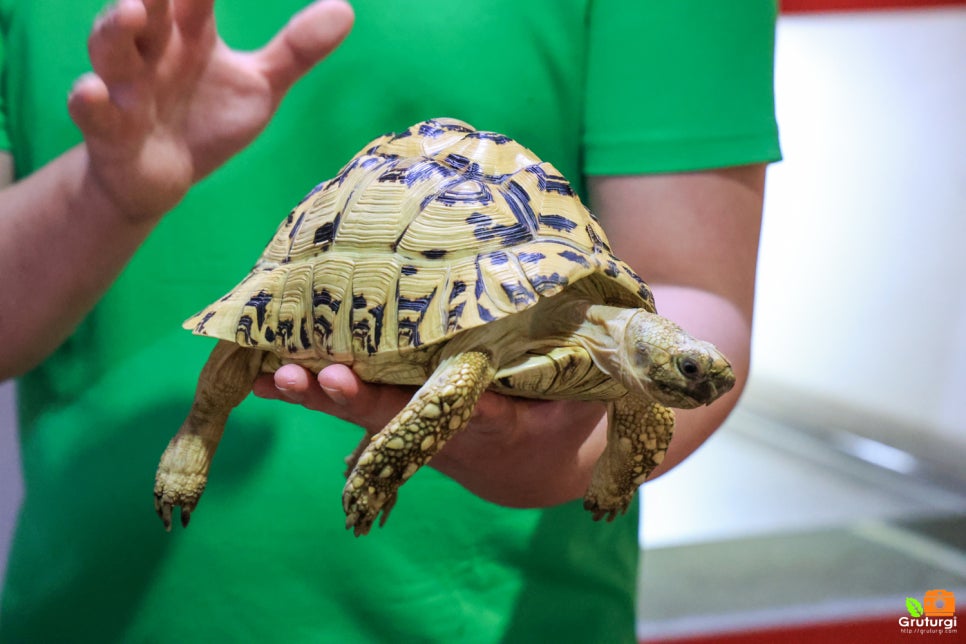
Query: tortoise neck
[(602, 335)]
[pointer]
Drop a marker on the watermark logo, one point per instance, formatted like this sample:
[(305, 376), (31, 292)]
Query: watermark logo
[(934, 615)]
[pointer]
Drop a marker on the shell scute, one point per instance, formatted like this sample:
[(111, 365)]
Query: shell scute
[(421, 235)]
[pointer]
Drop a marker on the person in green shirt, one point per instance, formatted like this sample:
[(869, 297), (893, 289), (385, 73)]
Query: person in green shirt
[(662, 116)]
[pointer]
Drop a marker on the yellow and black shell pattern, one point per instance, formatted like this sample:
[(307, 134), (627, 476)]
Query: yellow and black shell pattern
[(423, 234)]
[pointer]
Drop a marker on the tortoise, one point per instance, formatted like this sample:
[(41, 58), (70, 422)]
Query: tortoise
[(453, 259)]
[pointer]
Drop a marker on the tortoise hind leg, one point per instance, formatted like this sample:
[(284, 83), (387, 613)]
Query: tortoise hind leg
[(638, 433), (225, 381), (439, 409)]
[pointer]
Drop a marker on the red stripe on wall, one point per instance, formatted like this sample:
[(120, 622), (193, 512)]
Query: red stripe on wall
[(802, 6), (879, 629)]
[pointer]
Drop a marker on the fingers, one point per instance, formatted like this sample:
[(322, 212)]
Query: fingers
[(308, 37), (125, 40), (336, 391), (295, 384), (495, 411), (127, 37), (112, 47), (366, 404), (193, 16), (89, 105), (341, 385), (157, 31)]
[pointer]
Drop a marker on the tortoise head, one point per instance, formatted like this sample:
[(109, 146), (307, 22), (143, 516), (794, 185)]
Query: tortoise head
[(663, 362)]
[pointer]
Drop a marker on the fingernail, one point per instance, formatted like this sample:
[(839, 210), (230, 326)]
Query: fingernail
[(287, 392), (335, 396)]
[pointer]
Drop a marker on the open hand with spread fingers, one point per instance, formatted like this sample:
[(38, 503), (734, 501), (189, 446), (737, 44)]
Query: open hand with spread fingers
[(168, 101)]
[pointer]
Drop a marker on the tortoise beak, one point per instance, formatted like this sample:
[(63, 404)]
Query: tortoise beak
[(719, 382)]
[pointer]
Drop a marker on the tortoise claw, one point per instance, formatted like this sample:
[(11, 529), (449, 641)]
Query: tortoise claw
[(166, 497), (610, 511), (164, 511), (363, 504)]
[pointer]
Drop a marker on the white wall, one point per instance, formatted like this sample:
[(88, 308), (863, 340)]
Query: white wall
[(862, 283)]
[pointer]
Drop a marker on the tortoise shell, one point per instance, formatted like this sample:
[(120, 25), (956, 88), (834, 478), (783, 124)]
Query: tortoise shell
[(422, 235)]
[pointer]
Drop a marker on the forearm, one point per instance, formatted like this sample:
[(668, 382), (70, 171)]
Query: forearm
[(62, 243), (722, 322)]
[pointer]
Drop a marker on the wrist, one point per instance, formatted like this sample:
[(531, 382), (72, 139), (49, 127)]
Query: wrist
[(121, 192)]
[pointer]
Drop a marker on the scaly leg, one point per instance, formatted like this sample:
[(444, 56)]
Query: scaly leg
[(224, 382), (638, 433), (353, 458), (436, 412)]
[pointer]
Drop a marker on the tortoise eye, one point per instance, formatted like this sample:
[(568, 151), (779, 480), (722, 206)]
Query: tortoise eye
[(689, 368)]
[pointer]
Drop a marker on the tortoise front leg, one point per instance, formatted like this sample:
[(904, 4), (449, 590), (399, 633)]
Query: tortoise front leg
[(441, 407), (638, 433), (225, 381)]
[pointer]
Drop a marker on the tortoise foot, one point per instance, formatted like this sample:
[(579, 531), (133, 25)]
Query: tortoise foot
[(608, 509), (363, 503), (182, 475), (176, 489), (638, 434)]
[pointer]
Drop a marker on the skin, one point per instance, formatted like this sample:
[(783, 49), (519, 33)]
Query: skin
[(152, 126)]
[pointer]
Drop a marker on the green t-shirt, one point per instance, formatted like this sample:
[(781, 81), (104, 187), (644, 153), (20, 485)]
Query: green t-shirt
[(595, 87)]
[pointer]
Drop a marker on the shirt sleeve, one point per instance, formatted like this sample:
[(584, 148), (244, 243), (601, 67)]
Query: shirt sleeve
[(679, 86)]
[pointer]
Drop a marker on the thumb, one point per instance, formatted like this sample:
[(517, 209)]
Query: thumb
[(310, 35)]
